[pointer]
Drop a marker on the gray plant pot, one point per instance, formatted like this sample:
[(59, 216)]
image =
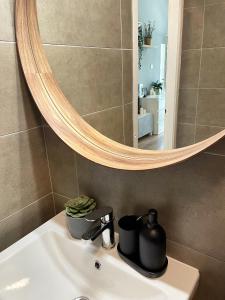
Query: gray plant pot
[(78, 226)]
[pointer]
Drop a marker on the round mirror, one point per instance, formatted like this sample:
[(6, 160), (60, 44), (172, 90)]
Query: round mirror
[(123, 67), (90, 47)]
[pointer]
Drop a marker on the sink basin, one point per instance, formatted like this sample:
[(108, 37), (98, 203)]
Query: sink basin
[(48, 264)]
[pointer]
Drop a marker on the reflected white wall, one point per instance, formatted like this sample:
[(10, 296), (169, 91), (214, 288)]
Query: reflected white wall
[(153, 10)]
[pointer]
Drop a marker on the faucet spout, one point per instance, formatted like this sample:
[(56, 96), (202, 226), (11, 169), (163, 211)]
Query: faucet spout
[(106, 229), (94, 233)]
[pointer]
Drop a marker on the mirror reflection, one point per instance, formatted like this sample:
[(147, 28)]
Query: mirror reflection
[(112, 63), (152, 66)]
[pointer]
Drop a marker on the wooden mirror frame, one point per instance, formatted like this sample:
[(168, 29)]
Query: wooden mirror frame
[(64, 119)]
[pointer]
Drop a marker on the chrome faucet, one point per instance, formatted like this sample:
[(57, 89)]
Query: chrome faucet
[(106, 228)]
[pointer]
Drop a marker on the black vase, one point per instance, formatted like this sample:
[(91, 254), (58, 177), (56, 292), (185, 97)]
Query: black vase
[(152, 244)]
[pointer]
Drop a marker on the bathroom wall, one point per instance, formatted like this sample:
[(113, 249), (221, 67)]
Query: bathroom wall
[(25, 190), (154, 11), (202, 86), (189, 196), (88, 50)]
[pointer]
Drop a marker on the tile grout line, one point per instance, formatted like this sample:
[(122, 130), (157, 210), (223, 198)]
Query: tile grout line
[(18, 211), (203, 48), (7, 42), (100, 111), (103, 110), (191, 49), (49, 170), (206, 5), (86, 47), (118, 49), (199, 75), (128, 103), (121, 26), (123, 106), (213, 153), (213, 88), (191, 7), (77, 181), (20, 132), (122, 69), (202, 125), (63, 196)]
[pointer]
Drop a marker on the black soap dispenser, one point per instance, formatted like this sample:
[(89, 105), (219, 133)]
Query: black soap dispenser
[(152, 244)]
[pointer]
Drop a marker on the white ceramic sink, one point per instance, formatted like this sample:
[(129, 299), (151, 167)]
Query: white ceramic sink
[(48, 264)]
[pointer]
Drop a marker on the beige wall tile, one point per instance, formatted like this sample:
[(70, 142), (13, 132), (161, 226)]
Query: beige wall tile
[(86, 22), (24, 172), (193, 27), (18, 111), (62, 162), (212, 2), (211, 107), (212, 70), (7, 32), (185, 134), (24, 221), (217, 148), (190, 64), (204, 132), (126, 14), (128, 124), (127, 76), (210, 110), (187, 105), (108, 122), (193, 3), (59, 202), (212, 271), (90, 78), (214, 26)]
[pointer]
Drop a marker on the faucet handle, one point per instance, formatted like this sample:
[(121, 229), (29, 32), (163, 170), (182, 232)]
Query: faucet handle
[(101, 213)]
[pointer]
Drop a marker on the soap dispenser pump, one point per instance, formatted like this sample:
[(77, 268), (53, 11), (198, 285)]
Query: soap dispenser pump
[(152, 244)]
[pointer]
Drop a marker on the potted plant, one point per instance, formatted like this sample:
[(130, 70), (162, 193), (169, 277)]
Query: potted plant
[(148, 32), (157, 87), (76, 211), (140, 44)]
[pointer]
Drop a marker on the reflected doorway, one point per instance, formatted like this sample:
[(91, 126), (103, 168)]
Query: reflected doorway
[(158, 48)]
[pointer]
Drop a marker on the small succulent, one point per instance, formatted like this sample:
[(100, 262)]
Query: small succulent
[(80, 206)]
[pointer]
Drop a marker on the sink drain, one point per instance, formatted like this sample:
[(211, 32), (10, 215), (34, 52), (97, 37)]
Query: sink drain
[(81, 298)]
